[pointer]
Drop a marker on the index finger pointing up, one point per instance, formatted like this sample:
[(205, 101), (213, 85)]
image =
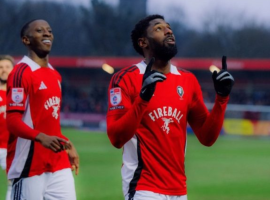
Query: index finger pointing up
[(224, 64), (149, 66)]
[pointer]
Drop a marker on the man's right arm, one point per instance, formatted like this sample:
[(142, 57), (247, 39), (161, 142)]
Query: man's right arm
[(121, 127), (124, 117), (17, 91), (17, 127)]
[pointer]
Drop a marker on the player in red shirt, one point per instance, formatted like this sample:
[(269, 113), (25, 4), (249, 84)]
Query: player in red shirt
[(6, 65), (37, 162), (149, 119)]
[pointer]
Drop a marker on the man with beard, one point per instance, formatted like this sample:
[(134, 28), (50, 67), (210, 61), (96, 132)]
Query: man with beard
[(149, 119), (6, 65)]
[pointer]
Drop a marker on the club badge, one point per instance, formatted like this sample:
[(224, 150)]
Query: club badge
[(115, 96), (180, 91), (17, 95)]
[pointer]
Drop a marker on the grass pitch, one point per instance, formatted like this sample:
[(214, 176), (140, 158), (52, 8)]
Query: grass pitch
[(235, 168)]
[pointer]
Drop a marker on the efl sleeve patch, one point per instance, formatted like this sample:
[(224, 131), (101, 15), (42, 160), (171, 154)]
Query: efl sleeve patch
[(115, 96), (17, 95)]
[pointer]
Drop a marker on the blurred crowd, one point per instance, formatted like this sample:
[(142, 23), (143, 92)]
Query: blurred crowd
[(242, 97), (90, 95), (92, 101), (95, 101)]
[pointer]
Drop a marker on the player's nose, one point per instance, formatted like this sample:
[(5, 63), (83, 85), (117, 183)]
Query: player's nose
[(47, 33), (168, 31)]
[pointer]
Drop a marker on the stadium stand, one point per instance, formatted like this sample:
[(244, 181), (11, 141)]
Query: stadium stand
[(85, 86)]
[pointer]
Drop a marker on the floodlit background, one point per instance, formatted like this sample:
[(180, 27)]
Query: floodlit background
[(92, 41)]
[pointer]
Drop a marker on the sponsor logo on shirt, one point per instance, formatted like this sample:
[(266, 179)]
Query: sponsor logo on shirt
[(167, 114), (115, 96), (17, 95), (54, 103), (165, 126)]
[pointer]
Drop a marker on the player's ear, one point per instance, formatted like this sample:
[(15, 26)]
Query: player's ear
[(143, 42), (25, 40)]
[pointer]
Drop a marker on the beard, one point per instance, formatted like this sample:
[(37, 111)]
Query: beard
[(163, 52), (3, 81)]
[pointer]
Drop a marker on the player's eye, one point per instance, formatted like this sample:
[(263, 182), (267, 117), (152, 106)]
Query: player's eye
[(158, 28)]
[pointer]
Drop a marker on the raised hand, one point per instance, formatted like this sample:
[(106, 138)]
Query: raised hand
[(150, 78), (223, 80)]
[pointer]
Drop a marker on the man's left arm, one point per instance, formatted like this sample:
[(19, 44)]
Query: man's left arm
[(73, 158), (205, 125)]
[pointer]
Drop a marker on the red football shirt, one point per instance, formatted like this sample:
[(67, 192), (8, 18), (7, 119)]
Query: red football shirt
[(153, 134), (35, 91), (3, 125)]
